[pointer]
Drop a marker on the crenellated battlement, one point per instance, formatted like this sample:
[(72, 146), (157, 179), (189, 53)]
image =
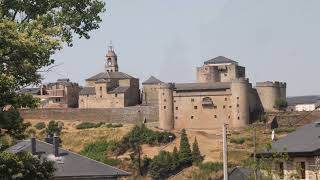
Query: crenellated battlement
[(275, 84)]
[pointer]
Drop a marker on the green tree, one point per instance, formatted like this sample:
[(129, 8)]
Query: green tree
[(197, 158), (185, 151), (24, 166), (53, 128), (281, 104)]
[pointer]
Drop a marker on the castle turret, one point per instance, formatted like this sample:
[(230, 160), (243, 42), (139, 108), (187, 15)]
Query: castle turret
[(112, 62), (166, 121), (269, 92), (283, 90), (240, 102)]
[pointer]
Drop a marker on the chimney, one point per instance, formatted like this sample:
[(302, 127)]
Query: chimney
[(33, 145), (48, 139), (56, 141)]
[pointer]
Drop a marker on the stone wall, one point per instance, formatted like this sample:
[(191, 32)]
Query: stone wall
[(112, 115)]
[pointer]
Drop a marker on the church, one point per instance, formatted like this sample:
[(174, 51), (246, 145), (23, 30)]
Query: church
[(111, 88)]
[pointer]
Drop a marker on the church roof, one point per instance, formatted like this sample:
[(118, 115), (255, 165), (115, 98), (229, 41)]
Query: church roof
[(88, 91), (202, 86), (119, 90), (152, 80), (110, 75), (220, 60)]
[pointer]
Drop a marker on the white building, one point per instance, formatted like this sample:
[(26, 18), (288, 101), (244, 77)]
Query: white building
[(304, 103)]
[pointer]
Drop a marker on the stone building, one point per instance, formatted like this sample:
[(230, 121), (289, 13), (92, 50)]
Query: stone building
[(110, 89), (59, 94), (222, 94)]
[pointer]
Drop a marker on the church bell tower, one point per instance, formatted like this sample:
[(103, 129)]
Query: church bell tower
[(112, 62)]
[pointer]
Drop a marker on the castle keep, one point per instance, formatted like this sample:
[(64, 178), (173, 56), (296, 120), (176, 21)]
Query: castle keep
[(222, 94)]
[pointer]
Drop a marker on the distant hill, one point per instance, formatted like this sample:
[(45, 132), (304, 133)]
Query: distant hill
[(303, 99)]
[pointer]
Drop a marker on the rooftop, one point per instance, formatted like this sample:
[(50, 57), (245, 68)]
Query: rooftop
[(110, 75), (152, 80), (220, 60), (70, 164)]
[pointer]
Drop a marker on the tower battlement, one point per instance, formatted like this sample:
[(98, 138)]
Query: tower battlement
[(269, 84)]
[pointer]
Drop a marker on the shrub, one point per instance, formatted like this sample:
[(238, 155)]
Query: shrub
[(52, 128), (211, 166), (87, 125), (238, 140), (40, 125), (99, 150)]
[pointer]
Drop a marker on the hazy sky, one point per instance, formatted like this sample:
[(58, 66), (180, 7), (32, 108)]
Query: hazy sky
[(273, 39)]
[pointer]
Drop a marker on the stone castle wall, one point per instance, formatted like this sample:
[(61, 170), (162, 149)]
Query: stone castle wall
[(112, 115)]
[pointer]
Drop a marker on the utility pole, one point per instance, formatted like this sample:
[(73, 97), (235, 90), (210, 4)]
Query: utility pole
[(254, 153), (225, 152)]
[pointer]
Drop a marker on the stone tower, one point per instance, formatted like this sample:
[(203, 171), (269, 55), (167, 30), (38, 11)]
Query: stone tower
[(112, 62), (166, 113), (240, 102), (269, 92)]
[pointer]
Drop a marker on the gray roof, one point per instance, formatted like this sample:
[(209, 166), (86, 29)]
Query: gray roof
[(33, 91), (303, 100), (119, 90), (220, 60), (152, 80), (304, 140), (202, 86), (110, 75), (88, 90), (71, 164)]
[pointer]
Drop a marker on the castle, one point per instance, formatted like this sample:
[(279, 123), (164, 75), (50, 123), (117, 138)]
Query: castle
[(222, 94)]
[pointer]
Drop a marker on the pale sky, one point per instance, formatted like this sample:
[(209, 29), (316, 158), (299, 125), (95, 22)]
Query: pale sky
[(273, 39)]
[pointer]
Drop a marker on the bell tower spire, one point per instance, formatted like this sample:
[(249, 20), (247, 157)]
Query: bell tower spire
[(111, 57)]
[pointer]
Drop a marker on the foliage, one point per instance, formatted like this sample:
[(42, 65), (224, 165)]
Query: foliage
[(281, 104), (53, 128), (211, 166), (185, 151), (197, 158), (86, 125), (12, 124), (284, 130), (142, 135), (40, 125), (99, 151), (238, 140), (208, 170), (24, 166), (262, 118)]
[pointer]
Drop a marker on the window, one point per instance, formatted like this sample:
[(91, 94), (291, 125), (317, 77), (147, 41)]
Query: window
[(207, 101), (116, 95), (238, 105), (237, 97), (230, 106), (195, 107), (229, 117), (177, 108), (215, 107), (215, 116), (176, 117), (191, 117), (100, 96), (192, 100), (225, 99), (164, 107), (165, 100), (174, 101), (225, 74), (100, 88), (224, 106), (238, 118), (162, 93), (281, 170), (301, 167)]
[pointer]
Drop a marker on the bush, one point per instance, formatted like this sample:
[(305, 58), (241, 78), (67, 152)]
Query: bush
[(99, 150), (211, 166), (87, 125), (40, 125), (52, 128), (238, 140)]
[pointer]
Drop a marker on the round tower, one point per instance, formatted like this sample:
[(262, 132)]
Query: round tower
[(240, 103), (112, 62), (268, 93), (283, 90), (166, 115)]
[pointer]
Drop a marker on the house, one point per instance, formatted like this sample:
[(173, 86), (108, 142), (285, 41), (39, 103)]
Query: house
[(69, 165), (302, 151), (303, 103)]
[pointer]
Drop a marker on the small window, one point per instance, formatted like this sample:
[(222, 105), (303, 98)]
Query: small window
[(176, 117), (192, 100), (174, 101), (195, 107), (301, 166), (100, 96), (225, 74), (100, 88), (229, 117), (215, 107), (191, 117), (230, 106), (237, 97), (163, 94), (215, 116), (225, 99), (238, 105), (177, 108), (164, 107), (238, 118), (165, 100), (116, 95), (224, 106)]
